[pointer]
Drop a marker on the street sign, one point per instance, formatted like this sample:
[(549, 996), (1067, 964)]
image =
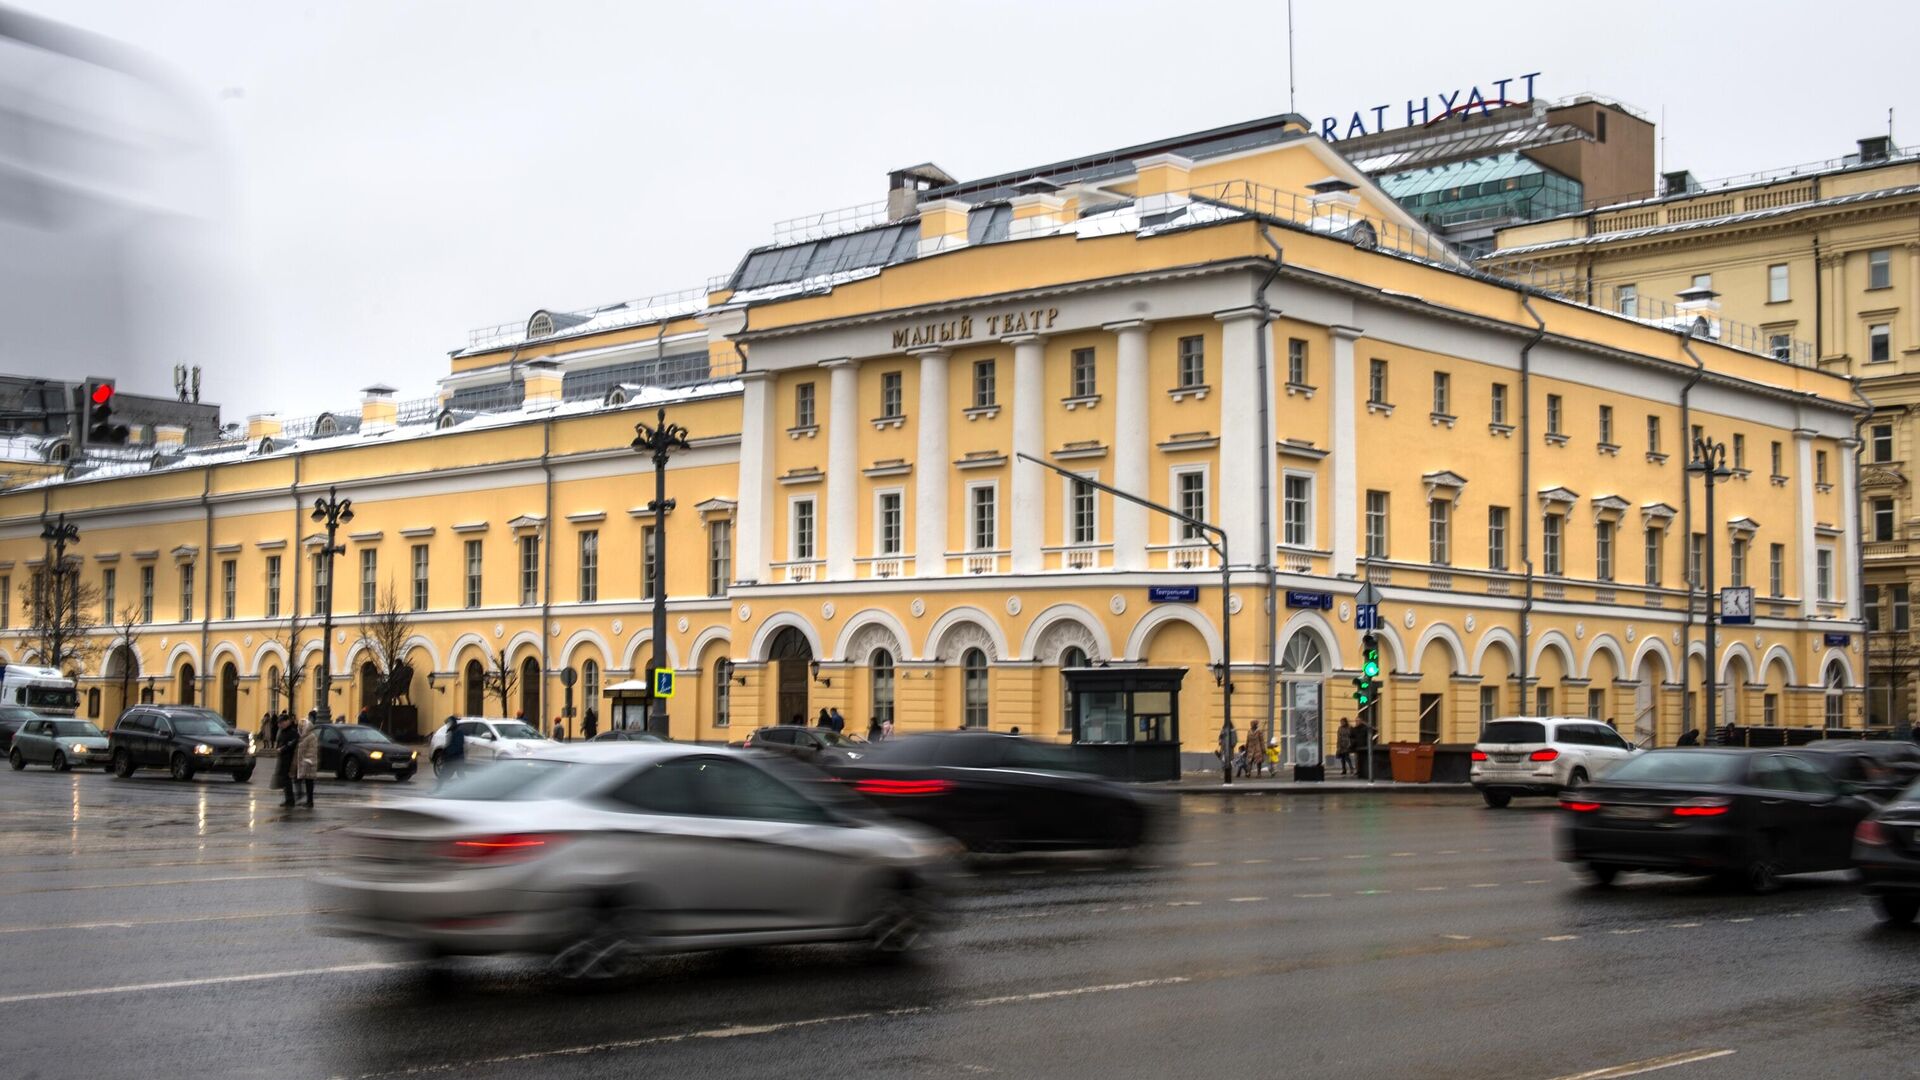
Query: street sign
[(568, 676), (1317, 600), (1368, 595), (1366, 617), (1835, 639), (1173, 594), (1736, 605), (662, 682)]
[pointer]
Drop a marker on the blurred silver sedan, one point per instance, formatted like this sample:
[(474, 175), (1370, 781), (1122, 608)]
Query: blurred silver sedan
[(595, 854)]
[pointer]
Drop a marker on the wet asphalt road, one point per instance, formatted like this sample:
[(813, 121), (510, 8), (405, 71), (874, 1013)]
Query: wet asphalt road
[(152, 929)]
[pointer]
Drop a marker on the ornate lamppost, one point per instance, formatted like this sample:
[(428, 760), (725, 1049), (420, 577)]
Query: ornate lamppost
[(1710, 461), (333, 512), (659, 439)]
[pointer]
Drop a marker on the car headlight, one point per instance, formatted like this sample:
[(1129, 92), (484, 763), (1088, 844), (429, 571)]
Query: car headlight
[(851, 756), (202, 748), (79, 748), (376, 754), (412, 755)]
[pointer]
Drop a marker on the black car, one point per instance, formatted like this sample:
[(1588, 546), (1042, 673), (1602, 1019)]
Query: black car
[(352, 751), (1880, 769), (1886, 850), (11, 717), (182, 739), (816, 746), (996, 792), (1747, 815), (626, 735)]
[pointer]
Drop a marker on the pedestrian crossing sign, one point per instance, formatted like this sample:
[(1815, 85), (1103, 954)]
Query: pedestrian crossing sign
[(662, 682)]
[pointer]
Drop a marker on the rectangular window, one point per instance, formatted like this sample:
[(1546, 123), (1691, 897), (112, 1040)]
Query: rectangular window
[(1698, 433), (186, 593), (1552, 551), (1770, 709), (1654, 542), (1629, 300), (1902, 612), (1870, 606), (1776, 570), (1819, 466), (1606, 425), (1653, 435), (1780, 346), (1823, 573), (1297, 361), (1376, 524), (1739, 451), (1190, 486), (109, 585), (369, 579), (1085, 379), (1882, 442), (473, 573), (273, 586), (146, 594), (322, 583), (649, 559), (1882, 519), (1773, 454), (887, 522), (1879, 343), (1603, 550), (983, 384), (983, 526), (1553, 415), (229, 587), (1499, 404), (1377, 382), (1489, 705), (1543, 701), (1880, 269), (1597, 705), (1442, 397), (1082, 513), (803, 413), (1440, 532), (529, 571), (1193, 361), (589, 566), (1777, 283), (892, 404), (420, 578), (801, 543), (1496, 538), (719, 556), (1697, 560), (1297, 511), (1737, 562)]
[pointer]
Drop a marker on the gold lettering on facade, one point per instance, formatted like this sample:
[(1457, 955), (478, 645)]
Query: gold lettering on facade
[(947, 331)]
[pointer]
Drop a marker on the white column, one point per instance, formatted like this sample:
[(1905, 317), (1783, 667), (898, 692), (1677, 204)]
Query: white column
[(1803, 452), (1849, 583), (1029, 437), (843, 467), (753, 541), (1913, 297), (1344, 500), (930, 467), (1241, 440), (1131, 443)]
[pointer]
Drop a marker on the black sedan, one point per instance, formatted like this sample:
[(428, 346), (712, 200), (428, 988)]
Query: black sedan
[(353, 751), (11, 718), (824, 747), (1746, 815), (1886, 849), (995, 792), (1880, 769)]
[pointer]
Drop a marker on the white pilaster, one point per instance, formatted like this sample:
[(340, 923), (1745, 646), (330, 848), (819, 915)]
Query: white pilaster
[(1131, 443), (931, 467), (1345, 497), (1029, 437), (753, 534), (1241, 440), (843, 467), (1849, 583), (1803, 482)]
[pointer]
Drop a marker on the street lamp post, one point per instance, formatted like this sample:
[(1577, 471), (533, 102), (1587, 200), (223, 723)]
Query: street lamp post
[(333, 512), (58, 534), (659, 439), (1709, 461)]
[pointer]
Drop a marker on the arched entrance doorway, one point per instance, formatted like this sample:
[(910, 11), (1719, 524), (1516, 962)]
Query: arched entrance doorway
[(1649, 679), (230, 692), (369, 685), (187, 683), (1303, 678), (530, 691), (122, 680), (473, 682), (791, 653)]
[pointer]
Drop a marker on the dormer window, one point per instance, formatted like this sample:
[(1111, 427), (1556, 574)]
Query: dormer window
[(541, 325), (326, 425)]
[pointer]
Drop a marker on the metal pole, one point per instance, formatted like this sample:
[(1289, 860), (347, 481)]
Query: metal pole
[(1712, 631), (326, 632), (660, 439)]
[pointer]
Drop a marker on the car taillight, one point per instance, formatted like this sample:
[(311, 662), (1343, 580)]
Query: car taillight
[(1580, 807), (1870, 833), (1543, 755), (1698, 811), (501, 847), (1478, 755), (901, 787)]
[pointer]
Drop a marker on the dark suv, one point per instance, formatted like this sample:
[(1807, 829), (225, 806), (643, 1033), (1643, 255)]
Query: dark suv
[(182, 739)]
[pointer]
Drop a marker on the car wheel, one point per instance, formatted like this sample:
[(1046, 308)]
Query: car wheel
[(122, 764), (437, 756), (1497, 799), (17, 760), (1897, 908), (241, 776), (180, 767), (350, 769), (403, 777), (899, 924), (1761, 875), (1603, 873), (60, 762), (1576, 778), (611, 943)]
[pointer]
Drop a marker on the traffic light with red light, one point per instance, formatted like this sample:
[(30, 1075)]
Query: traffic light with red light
[(100, 429)]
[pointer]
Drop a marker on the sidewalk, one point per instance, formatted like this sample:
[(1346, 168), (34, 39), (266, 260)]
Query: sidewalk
[(1209, 784)]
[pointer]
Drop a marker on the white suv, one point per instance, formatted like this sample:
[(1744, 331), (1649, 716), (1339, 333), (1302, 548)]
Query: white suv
[(1542, 755), (488, 739)]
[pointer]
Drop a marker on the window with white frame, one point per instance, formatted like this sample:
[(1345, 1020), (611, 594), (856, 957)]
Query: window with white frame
[(722, 692), (1820, 467), (1296, 519), (1880, 268), (1902, 597), (973, 688), (1297, 361), (1776, 569), (1552, 546), (473, 573), (109, 588), (800, 529), (983, 384), (649, 559), (1653, 435), (880, 701), (1628, 300), (589, 566), (1376, 524), (1655, 543), (1780, 346), (1603, 550), (1697, 560), (1739, 451), (1883, 525), (322, 582), (1823, 573), (1498, 404), (1442, 393), (1376, 382), (1083, 508), (1777, 284), (719, 555), (1193, 361), (1085, 379), (803, 405), (892, 402), (529, 571), (887, 515), (229, 587), (1489, 705), (1606, 425), (983, 518), (1190, 498), (420, 578), (1440, 531), (1737, 562), (369, 579), (186, 592), (1497, 519), (1553, 415), (1881, 438), (1879, 343), (273, 587), (146, 594)]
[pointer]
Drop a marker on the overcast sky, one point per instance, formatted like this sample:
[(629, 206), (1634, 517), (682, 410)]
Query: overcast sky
[(363, 183)]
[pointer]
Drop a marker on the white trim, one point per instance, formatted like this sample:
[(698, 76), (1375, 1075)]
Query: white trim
[(587, 638), (1144, 627), (1069, 612), (953, 617), (763, 637), (1066, 510), (881, 617), (1174, 472), (970, 545), (1604, 642), (793, 531), (879, 551), (1444, 634), (1313, 507)]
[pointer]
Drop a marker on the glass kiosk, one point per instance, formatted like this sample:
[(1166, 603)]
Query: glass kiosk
[(1126, 721)]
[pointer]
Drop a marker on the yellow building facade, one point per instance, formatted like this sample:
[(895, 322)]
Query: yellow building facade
[(1242, 328)]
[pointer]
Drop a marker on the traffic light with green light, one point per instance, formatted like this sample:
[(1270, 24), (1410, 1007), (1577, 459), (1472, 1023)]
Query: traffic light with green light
[(1366, 685)]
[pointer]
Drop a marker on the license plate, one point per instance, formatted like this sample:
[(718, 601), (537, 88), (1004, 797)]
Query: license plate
[(1506, 759), (1636, 813)]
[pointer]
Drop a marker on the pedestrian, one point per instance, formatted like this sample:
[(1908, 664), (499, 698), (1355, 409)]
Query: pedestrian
[(1256, 750), (797, 720), (521, 715), (1015, 731), (1363, 747), (886, 729), (306, 761), (559, 730), (1343, 746), (283, 758), (362, 718), (875, 729), (839, 722), (589, 724), (1691, 738), (826, 721), (453, 757)]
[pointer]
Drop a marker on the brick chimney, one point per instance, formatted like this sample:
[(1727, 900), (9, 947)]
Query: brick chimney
[(543, 384), (264, 425)]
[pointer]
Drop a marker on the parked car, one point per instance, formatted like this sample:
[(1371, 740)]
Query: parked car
[(1747, 815), (817, 746), (1886, 851), (489, 739), (627, 735), (1880, 769), (183, 739), (61, 743), (596, 854), (11, 718), (1542, 755), (1001, 792), (352, 751)]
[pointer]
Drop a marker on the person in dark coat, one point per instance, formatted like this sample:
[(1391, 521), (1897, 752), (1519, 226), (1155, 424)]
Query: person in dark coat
[(839, 722), (287, 746), (589, 724), (825, 721), (1363, 747), (1691, 738), (453, 757), (875, 731)]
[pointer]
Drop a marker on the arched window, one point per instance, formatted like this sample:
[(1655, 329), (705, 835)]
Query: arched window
[(1303, 673), (530, 688), (880, 708), (188, 682), (1836, 696), (722, 692), (476, 685), (326, 425), (369, 684), (93, 703), (1072, 656), (973, 688), (273, 689), (590, 685)]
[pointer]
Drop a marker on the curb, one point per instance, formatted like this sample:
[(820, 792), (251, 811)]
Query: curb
[(1317, 789)]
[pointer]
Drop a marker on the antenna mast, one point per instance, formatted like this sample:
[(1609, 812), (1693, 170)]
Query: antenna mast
[(1290, 79)]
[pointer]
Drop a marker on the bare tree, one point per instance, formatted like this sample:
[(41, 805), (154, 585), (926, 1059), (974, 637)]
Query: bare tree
[(293, 676), (123, 627), (61, 612), (384, 632), (1893, 658), (500, 679)]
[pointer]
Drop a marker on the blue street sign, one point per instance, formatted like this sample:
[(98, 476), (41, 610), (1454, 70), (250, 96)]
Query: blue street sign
[(1317, 600), (1366, 617), (662, 682), (1835, 639), (1173, 594)]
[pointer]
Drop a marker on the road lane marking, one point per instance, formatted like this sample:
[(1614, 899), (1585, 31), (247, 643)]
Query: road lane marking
[(1306, 858), (1562, 937), (1399, 854), (1449, 851), (1535, 881), (1371, 892), (1748, 919), (1457, 937), (1484, 885), (1361, 855), (1183, 903), (1254, 862), (1245, 899), (1636, 930), (128, 924), (1203, 864), (1311, 895), (1635, 1068), (153, 884), (216, 980), (1429, 888), (1682, 925)]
